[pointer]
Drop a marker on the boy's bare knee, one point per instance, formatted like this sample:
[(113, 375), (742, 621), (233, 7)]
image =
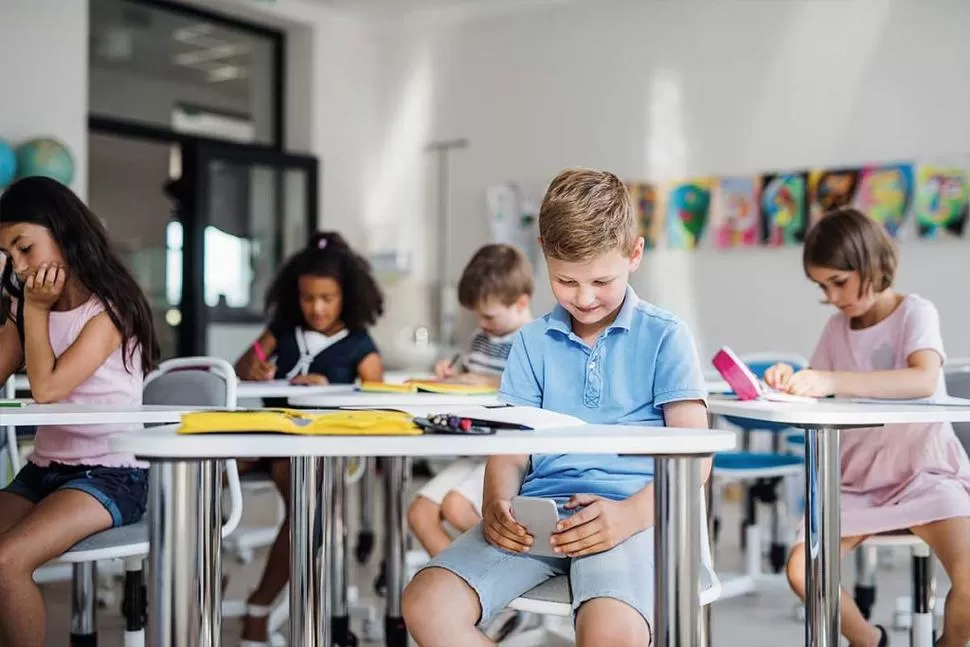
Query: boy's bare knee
[(795, 570), (459, 511), (423, 512), (605, 621), (437, 599)]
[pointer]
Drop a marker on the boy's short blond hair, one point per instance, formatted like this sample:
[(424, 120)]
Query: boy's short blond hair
[(586, 213), (496, 271)]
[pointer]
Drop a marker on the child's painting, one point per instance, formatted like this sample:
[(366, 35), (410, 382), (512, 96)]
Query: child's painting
[(830, 189), (735, 216), (784, 208), (885, 194), (686, 209), (941, 201), (644, 197)]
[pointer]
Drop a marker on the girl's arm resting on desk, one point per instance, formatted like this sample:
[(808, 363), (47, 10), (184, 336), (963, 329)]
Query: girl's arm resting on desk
[(918, 380), (11, 355), (371, 368), (53, 378)]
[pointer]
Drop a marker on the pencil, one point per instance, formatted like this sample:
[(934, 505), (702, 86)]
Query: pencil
[(260, 355)]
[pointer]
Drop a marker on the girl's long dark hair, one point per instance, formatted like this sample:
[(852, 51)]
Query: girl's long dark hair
[(89, 255), (328, 255)]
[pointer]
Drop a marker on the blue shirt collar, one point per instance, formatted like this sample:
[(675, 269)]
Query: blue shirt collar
[(560, 320)]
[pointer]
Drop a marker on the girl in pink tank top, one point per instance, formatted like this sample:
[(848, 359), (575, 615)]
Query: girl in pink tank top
[(73, 316), (882, 344)]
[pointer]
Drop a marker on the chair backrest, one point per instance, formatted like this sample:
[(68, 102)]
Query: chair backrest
[(958, 385), (192, 381), (202, 382)]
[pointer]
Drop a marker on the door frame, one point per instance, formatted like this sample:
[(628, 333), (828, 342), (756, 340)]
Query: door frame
[(196, 156)]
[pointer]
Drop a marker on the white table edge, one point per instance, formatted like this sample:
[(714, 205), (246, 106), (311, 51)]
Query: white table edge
[(163, 443)]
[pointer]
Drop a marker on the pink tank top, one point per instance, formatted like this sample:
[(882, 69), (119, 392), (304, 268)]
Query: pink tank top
[(111, 384)]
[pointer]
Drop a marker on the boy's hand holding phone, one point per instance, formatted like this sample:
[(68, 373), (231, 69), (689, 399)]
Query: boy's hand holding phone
[(502, 530), (600, 525)]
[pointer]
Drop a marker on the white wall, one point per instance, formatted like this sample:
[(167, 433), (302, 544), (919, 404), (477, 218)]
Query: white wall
[(658, 90), (44, 75)]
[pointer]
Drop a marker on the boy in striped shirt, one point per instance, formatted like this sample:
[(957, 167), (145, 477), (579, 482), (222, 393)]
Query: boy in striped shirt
[(497, 286)]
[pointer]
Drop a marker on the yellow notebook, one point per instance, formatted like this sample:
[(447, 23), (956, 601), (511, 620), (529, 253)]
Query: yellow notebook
[(288, 421), (418, 386)]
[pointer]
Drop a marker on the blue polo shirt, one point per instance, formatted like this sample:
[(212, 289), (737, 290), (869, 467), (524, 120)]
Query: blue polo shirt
[(645, 359)]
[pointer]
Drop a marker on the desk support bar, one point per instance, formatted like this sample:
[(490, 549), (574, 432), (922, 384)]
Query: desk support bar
[(396, 474), (174, 615), (210, 551), (304, 507), (822, 536), (677, 615)]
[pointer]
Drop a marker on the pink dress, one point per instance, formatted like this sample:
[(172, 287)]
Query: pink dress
[(897, 476), (111, 384)]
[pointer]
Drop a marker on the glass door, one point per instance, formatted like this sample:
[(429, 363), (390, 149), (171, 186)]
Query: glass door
[(241, 211)]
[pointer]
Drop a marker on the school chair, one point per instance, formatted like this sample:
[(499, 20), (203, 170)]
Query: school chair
[(763, 473), (915, 613), (552, 599), (193, 381)]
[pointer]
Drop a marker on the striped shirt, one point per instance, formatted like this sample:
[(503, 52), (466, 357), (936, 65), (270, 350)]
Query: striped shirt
[(488, 354)]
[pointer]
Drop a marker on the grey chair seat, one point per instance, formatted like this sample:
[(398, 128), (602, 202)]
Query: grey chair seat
[(555, 590), (114, 543)]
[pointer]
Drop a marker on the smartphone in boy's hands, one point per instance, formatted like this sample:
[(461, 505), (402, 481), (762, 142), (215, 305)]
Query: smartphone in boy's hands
[(539, 517)]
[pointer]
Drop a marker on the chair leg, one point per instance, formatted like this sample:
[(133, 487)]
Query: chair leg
[(865, 579), (134, 607), (922, 633), (83, 608)]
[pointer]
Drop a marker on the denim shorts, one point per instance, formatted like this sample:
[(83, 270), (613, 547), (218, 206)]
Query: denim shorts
[(624, 573), (123, 491)]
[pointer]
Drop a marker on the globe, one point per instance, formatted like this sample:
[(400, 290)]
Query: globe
[(46, 157), (8, 164)]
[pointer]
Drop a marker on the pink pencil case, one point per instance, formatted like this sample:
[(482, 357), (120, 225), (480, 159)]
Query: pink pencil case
[(736, 373)]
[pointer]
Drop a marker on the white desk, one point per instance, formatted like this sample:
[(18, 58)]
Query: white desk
[(175, 533), (283, 389), (822, 421), (717, 386), (38, 415)]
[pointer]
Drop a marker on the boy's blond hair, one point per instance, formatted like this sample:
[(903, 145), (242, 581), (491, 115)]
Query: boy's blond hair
[(586, 213), (496, 271)]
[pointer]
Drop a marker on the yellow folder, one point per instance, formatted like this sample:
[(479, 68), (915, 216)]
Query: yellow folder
[(419, 386), (289, 421)]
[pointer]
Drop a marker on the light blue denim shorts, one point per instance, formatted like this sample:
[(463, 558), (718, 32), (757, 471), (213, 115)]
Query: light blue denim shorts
[(624, 573)]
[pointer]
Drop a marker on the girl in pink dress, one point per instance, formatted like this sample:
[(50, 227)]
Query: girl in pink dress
[(75, 318), (883, 344)]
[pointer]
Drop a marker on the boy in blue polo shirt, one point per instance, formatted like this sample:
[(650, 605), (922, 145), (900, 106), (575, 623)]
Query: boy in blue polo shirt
[(602, 355)]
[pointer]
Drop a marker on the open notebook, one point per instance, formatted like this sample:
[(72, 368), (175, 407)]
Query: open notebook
[(422, 386), (746, 385), (288, 421)]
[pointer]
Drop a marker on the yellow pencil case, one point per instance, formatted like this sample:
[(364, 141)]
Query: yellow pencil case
[(288, 421)]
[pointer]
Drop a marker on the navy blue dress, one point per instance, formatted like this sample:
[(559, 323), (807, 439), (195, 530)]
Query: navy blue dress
[(338, 363)]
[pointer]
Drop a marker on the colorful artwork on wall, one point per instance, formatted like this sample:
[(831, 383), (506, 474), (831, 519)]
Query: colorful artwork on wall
[(941, 201), (885, 194), (735, 213), (784, 208), (687, 206)]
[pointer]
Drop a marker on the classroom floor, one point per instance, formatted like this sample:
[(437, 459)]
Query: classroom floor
[(761, 620)]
